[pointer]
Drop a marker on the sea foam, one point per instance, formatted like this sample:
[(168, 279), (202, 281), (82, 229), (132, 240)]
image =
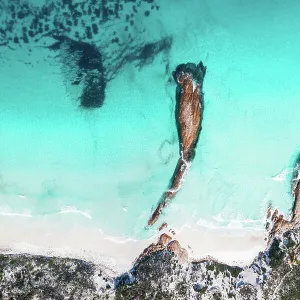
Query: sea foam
[(74, 210)]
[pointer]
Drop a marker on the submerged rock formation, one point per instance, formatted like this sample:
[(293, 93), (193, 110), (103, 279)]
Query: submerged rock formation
[(82, 64), (103, 35), (189, 112)]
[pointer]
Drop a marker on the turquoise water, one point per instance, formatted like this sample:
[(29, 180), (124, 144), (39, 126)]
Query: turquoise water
[(113, 163)]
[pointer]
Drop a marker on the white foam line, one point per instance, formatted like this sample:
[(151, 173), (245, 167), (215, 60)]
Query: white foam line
[(282, 176), (74, 210), (7, 211), (230, 224), (15, 215)]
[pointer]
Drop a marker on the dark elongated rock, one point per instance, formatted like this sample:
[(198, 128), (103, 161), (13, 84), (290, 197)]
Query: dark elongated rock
[(189, 112)]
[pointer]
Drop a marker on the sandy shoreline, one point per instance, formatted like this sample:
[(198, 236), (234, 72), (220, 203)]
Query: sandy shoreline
[(39, 236), (230, 246)]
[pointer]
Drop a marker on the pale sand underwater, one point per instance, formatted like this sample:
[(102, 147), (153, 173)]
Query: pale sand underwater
[(111, 165)]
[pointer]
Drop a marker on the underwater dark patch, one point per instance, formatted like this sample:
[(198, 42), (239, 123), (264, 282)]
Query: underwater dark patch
[(88, 37)]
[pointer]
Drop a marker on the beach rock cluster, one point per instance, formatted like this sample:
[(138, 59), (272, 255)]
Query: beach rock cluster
[(165, 243)]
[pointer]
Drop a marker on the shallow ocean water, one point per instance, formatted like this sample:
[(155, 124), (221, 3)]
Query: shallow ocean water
[(111, 164)]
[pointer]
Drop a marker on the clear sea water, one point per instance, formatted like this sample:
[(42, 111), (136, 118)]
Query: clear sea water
[(113, 163)]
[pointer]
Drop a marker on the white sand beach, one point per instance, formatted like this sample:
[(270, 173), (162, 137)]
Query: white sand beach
[(46, 236)]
